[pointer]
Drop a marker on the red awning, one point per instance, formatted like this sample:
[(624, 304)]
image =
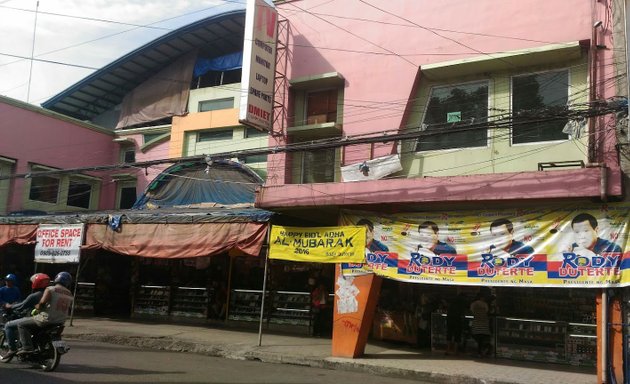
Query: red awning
[(177, 240), (17, 234)]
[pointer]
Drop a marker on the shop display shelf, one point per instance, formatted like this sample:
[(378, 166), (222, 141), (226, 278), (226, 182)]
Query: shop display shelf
[(152, 300), (84, 297)]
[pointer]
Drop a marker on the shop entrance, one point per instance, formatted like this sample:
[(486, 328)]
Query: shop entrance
[(536, 324)]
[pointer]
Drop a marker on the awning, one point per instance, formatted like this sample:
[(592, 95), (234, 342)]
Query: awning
[(175, 241), (17, 234)]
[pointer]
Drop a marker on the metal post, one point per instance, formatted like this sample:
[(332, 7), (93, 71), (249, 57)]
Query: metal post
[(229, 290), (264, 288), (74, 295), (604, 333), (262, 300)]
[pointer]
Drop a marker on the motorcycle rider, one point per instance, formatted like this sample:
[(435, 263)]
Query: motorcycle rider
[(10, 293), (39, 282), (51, 309)]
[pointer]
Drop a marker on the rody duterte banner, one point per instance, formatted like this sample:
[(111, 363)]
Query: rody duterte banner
[(318, 244), (58, 243), (567, 246)]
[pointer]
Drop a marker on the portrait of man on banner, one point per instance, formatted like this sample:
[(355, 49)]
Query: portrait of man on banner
[(587, 243), (371, 244), (429, 243), (503, 242)]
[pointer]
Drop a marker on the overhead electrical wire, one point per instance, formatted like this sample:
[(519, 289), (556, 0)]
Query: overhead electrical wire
[(602, 109)]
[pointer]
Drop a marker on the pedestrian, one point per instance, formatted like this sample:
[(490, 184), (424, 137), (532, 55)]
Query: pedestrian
[(455, 322), (481, 325)]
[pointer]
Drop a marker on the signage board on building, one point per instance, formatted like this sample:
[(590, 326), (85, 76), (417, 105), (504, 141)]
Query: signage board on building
[(556, 246), (259, 65), (317, 244), (58, 243)]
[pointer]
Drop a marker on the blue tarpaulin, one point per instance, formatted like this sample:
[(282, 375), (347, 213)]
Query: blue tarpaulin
[(223, 182), (228, 62)]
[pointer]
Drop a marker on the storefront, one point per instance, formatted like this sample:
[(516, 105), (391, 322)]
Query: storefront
[(543, 268), (555, 326)]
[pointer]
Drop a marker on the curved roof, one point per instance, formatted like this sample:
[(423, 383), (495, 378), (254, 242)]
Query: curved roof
[(214, 36)]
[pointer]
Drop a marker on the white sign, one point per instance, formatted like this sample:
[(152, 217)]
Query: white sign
[(259, 64), (58, 243), (372, 169)]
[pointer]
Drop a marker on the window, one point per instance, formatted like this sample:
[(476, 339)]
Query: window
[(452, 117), (253, 132), (79, 194), (318, 166), (535, 96), (255, 159), (215, 134), (45, 189), (321, 107), (215, 78), (129, 156), (127, 197), (214, 105), (147, 137)]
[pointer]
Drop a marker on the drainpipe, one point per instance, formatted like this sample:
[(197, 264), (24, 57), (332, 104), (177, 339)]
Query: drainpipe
[(603, 182), (603, 179), (604, 343)]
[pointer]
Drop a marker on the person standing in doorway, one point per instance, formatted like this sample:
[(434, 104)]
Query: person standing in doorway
[(319, 305), (481, 325), (455, 322)]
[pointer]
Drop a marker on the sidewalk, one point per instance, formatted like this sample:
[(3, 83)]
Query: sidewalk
[(385, 360)]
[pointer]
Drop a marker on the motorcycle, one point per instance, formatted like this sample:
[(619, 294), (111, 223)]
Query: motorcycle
[(46, 341)]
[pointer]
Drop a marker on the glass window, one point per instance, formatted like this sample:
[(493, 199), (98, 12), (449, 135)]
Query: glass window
[(318, 166), (147, 137), (253, 132), (127, 197), (255, 159), (129, 156), (214, 105), (79, 194), (321, 107), (452, 117), (216, 134), (44, 188), (534, 97)]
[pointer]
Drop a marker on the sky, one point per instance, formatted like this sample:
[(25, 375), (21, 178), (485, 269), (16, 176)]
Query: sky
[(73, 38)]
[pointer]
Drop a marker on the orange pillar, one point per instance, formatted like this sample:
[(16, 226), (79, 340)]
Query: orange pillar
[(355, 305), (615, 339)]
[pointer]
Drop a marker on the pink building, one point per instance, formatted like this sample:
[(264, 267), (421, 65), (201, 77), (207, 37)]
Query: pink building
[(454, 107), (37, 140), (369, 69)]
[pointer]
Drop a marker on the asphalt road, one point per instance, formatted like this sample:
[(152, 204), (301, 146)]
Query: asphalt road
[(107, 363)]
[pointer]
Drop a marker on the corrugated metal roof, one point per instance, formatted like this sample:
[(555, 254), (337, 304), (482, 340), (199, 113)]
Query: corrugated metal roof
[(132, 216), (214, 36)]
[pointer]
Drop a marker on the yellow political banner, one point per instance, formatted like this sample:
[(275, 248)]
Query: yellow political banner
[(550, 246), (318, 244)]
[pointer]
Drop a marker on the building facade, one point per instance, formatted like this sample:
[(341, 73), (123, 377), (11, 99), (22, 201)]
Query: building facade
[(38, 140)]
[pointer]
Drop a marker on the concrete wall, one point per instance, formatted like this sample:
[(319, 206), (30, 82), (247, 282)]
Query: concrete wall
[(379, 53), (31, 135)]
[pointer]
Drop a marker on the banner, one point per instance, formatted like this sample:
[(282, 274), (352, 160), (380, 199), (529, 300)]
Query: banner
[(576, 246), (58, 243), (318, 244)]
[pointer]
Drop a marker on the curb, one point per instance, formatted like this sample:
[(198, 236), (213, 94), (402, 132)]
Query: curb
[(250, 353)]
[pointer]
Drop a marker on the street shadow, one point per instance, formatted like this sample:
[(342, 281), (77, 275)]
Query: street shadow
[(110, 370)]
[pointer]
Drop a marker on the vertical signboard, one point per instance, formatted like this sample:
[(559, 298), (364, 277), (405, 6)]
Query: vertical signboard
[(58, 243), (259, 64)]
